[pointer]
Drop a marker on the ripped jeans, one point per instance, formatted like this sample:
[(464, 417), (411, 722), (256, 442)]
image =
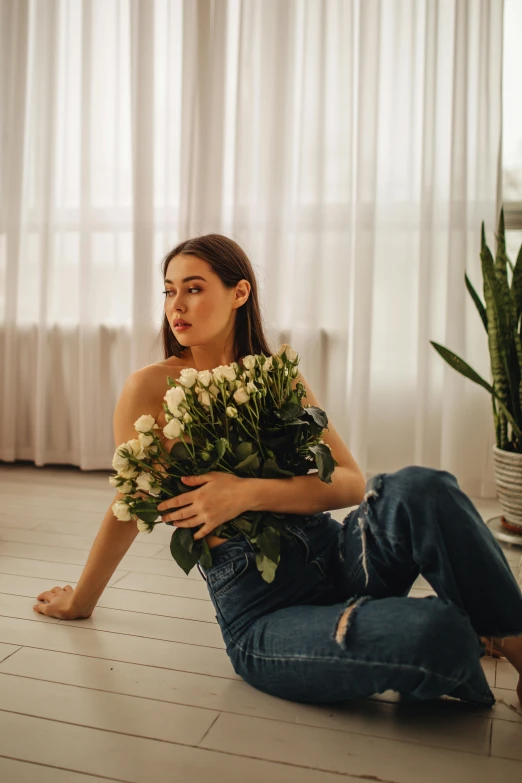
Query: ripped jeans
[(336, 622)]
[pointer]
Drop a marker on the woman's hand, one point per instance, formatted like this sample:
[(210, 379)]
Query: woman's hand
[(220, 497), (58, 602)]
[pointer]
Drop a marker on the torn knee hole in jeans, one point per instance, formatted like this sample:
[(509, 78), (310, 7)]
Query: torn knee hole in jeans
[(344, 621)]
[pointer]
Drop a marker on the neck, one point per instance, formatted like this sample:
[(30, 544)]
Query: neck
[(205, 358)]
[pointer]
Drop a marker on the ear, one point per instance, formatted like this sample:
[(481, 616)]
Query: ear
[(242, 292)]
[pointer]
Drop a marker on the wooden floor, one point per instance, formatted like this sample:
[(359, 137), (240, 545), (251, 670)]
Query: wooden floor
[(144, 691)]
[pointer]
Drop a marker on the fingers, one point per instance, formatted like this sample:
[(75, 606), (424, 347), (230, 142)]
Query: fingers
[(40, 608), (47, 595)]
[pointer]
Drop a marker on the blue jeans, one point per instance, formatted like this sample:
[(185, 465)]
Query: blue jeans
[(336, 624)]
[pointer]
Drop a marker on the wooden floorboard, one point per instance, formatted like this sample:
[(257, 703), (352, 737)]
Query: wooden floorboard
[(144, 690)]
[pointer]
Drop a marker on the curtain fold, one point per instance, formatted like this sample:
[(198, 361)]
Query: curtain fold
[(351, 147)]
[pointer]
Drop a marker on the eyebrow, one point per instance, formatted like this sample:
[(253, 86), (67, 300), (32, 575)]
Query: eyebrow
[(186, 279)]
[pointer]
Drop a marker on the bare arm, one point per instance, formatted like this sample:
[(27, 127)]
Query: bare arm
[(110, 545), (114, 536)]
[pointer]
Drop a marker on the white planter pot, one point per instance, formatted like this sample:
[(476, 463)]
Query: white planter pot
[(508, 478)]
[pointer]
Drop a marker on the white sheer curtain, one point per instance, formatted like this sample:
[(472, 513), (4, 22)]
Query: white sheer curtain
[(351, 147)]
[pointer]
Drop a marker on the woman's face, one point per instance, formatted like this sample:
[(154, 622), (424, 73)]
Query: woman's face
[(203, 302)]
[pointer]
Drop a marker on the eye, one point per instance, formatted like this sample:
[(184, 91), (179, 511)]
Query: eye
[(170, 291)]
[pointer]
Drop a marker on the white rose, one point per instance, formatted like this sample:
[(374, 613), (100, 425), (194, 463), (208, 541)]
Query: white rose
[(113, 481), (251, 387), (174, 397), (217, 374), (241, 396), (143, 527), (121, 511), (205, 378), (291, 355), (173, 429), (120, 461), (249, 362), (204, 399), (145, 440), (229, 372), (144, 481), (294, 372), (187, 418), (130, 472), (136, 448), (231, 412), (214, 390), (126, 488), (268, 364), (188, 377), (144, 423)]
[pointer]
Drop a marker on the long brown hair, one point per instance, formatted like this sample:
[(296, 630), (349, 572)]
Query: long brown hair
[(231, 264)]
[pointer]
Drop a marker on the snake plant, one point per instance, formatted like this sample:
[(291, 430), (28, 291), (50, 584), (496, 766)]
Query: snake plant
[(502, 321)]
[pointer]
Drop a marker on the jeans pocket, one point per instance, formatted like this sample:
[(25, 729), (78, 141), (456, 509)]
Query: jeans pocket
[(223, 576)]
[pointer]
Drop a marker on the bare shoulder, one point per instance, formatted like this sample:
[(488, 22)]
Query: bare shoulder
[(339, 449), (143, 393)]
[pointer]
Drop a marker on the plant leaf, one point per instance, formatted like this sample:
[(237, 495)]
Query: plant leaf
[(205, 557), (461, 366), (220, 447), (244, 450), (324, 461), (266, 567), (318, 415), (478, 302), (289, 411), (185, 559), (180, 451), (272, 470), (269, 542), (248, 465)]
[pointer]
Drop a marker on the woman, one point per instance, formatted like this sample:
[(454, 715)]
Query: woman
[(335, 623)]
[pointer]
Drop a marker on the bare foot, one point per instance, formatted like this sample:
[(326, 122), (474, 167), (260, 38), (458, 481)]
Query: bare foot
[(509, 647)]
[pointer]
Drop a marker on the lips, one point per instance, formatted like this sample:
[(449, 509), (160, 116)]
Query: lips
[(181, 323)]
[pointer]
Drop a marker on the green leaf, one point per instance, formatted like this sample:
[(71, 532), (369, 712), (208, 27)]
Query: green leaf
[(324, 461), (205, 557), (516, 285), (248, 465), (272, 470), (318, 415), (464, 369), (243, 523), (147, 516), (220, 447), (267, 568), (289, 411), (269, 542), (185, 559), (243, 450), (478, 302), (501, 332), (180, 450), (186, 538)]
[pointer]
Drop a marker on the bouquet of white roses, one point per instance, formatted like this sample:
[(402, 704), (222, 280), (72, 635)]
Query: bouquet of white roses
[(246, 420)]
